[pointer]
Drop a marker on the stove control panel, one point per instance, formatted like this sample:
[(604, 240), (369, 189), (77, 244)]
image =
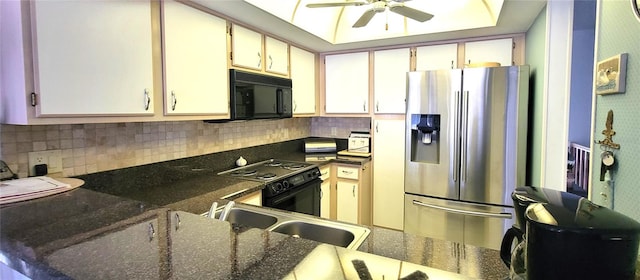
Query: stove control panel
[(291, 182)]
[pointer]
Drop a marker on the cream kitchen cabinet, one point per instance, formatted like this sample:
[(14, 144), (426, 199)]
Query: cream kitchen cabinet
[(353, 193), (346, 83), (325, 191), (303, 77), (388, 173), (499, 50), (254, 198), (96, 62), (390, 80), (195, 61), (246, 46), (437, 57), (277, 56)]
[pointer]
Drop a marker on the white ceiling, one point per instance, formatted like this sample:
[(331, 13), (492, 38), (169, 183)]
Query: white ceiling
[(515, 16)]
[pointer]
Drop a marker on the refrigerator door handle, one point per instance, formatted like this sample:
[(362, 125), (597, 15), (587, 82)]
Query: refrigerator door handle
[(464, 129), (465, 212), (456, 135)]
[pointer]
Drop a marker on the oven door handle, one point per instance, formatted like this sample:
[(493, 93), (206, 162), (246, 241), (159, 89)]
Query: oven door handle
[(296, 191)]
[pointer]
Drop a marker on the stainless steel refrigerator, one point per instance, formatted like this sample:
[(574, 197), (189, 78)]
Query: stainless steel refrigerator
[(465, 152)]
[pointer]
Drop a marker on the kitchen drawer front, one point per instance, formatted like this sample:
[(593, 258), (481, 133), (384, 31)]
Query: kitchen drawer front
[(325, 172), (348, 172)]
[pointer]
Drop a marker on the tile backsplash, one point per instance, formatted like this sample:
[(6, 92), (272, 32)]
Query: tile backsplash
[(89, 148)]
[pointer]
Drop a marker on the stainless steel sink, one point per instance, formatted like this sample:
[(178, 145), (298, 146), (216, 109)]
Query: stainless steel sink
[(250, 218), (299, 225), (320, 233)]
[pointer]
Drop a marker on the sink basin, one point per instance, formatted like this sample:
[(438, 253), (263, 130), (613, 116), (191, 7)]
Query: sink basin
[(296, 224), (320, 233), (250, 218)]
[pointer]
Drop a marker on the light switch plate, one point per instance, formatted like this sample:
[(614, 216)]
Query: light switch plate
[(52, 158)]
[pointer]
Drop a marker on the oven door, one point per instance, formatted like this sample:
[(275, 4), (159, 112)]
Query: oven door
[(303, 199)]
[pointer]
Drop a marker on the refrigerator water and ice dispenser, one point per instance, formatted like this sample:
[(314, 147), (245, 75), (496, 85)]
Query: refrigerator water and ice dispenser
[(425, 141)]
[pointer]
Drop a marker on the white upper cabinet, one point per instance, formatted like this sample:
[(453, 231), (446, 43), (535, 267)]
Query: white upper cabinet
[(437, 57), (277, 56), (303, 77), (500, 50), (246, 45), (390, 80), (195, 61), (347, 83), (93, 57)]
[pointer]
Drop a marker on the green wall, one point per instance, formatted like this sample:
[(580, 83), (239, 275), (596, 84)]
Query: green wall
[(534, 55), (618, 31)]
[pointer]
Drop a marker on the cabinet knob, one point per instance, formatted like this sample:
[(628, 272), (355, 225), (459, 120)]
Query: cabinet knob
[(354, 191), (152, 232)]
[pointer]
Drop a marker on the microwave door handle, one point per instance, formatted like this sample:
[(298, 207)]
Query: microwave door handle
[(279, 101)]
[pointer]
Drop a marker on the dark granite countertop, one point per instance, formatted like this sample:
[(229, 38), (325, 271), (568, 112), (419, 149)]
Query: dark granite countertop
[(144, 223), (84, 234)]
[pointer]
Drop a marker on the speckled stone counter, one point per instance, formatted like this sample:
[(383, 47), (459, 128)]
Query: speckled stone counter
[(84, 234), (143, 223)]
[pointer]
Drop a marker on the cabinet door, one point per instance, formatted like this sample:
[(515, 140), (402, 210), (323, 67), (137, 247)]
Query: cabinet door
[(303, 77), (500, 50), (105, 49), (247, 48), (195, 61), (277, 56), (347, 83), (347, 201), (388, 173), (437, 57), (390, 80)]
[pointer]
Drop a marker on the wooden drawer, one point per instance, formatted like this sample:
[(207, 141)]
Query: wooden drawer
[(325, 172), (348, 172)]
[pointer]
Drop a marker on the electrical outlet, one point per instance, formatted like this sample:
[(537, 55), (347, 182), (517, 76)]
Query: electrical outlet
[(52, 158)]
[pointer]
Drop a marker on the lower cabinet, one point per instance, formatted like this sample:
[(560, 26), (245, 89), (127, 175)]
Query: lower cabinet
[(353, 193), (254, 198)]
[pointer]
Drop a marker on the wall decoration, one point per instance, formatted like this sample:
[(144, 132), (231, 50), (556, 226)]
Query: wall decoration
[(611, 75)]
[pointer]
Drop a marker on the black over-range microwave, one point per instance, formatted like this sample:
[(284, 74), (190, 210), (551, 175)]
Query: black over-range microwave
[(256, 96)]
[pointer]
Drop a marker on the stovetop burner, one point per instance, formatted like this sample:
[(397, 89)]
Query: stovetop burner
[(293, 166), (274, 163), (243, 172), (265, 176)]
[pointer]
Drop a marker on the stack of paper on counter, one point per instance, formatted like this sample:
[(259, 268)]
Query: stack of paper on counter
[(30, 188)]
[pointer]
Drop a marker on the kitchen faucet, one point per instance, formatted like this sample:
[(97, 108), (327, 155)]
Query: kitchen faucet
[(225, 211)]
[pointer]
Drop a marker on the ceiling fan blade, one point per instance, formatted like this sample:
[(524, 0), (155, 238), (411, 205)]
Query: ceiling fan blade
[(336, 4), (365, 18), (411, 13)]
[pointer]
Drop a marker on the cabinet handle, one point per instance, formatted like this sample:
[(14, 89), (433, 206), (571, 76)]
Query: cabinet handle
[(364, 106), (177, 221), (147, 99), (354, 190), (377, 106), (376, 127), (295, 105), (452, 64), (259, 60), (174, 99), (347, 172), (270, 62), (152, 232), (325, 173)]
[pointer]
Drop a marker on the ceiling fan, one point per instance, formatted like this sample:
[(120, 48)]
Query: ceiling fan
[(379, 6)]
